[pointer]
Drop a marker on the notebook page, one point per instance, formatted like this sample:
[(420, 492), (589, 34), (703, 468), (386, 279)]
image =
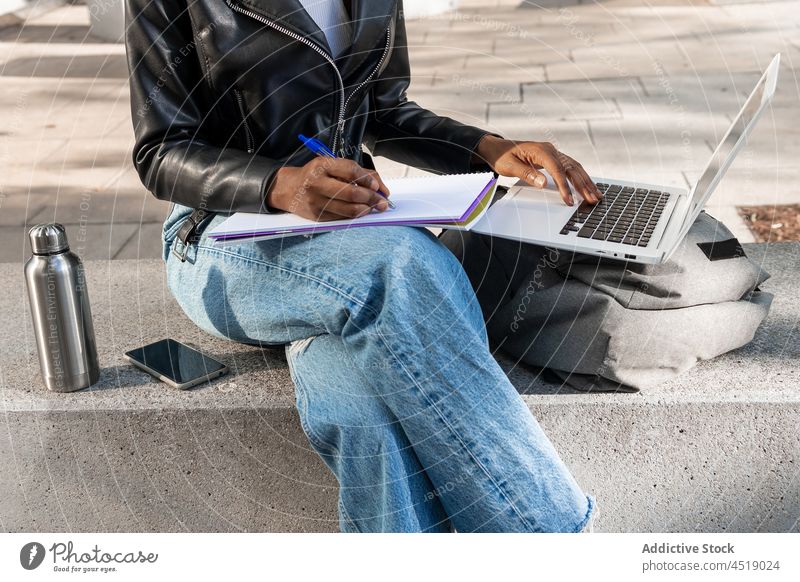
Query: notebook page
[(465, 225), (423, 199)]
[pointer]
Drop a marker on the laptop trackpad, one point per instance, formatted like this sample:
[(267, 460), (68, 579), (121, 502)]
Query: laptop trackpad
[(532, 214)]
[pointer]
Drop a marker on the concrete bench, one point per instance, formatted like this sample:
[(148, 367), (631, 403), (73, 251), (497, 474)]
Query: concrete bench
[(716, 450)]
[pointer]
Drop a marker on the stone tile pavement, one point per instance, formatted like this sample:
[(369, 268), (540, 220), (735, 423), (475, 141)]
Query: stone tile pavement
[(634, 90)]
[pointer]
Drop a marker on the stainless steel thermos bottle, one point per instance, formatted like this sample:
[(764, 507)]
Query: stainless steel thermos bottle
[(62, 319)]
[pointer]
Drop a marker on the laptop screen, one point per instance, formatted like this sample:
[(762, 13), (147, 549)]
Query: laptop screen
[(728, 147)]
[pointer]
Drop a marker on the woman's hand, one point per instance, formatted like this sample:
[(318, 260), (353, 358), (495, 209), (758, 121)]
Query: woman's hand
[(524, 160), (327, 189)]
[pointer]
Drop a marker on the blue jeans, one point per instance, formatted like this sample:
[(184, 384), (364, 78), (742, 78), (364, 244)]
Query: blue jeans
[(396, 388)]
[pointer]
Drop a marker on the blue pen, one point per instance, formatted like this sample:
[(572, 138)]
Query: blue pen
[(321, 149)]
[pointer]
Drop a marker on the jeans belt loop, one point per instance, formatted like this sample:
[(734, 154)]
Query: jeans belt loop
[(186, 233)]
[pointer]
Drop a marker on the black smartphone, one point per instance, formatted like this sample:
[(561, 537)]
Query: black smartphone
[(176, 364)]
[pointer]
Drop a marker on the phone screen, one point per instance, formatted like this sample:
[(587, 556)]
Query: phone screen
[(176, 361)]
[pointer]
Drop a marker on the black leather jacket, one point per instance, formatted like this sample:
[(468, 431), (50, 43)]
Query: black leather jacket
[(220, 89)]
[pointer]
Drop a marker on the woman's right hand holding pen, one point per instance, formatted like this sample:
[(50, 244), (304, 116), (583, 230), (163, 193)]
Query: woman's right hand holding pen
[(327, 189)]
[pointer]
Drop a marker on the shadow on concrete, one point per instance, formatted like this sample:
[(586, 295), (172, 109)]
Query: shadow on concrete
[(84, 67), (550, 4), (64, 33), (118, 377), (252, 357)]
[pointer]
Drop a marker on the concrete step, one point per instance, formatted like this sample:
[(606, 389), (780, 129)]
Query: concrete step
[(716, 450)]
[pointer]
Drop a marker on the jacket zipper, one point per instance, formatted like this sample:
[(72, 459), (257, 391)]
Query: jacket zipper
[(305, 41), (318, 49), (248, 135), (375, 70)]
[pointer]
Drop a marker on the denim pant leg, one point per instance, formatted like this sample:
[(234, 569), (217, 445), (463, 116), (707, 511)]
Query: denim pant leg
[(382, 485), (395, 296)]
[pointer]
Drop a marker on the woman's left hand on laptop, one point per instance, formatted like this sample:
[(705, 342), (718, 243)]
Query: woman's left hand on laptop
[(524, 159)]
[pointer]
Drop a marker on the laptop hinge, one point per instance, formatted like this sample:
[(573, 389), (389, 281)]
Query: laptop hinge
[(671, 237)]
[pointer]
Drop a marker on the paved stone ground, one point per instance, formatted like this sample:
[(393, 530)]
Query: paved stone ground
[(633, 90)]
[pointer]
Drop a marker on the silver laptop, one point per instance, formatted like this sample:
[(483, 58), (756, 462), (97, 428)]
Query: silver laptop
[(643, 223)]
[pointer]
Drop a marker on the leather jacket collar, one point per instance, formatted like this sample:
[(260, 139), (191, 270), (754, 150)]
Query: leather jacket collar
[(370, 21)]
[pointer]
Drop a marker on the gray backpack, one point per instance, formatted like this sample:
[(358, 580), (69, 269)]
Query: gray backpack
[(608, 325)]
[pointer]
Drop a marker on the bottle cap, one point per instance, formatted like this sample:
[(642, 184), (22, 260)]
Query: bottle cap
[(47, 239)]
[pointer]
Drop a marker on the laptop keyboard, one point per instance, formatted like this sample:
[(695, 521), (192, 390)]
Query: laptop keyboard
[(624, 215)]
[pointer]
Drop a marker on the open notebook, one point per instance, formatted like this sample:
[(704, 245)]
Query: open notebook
[(450, 201)]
